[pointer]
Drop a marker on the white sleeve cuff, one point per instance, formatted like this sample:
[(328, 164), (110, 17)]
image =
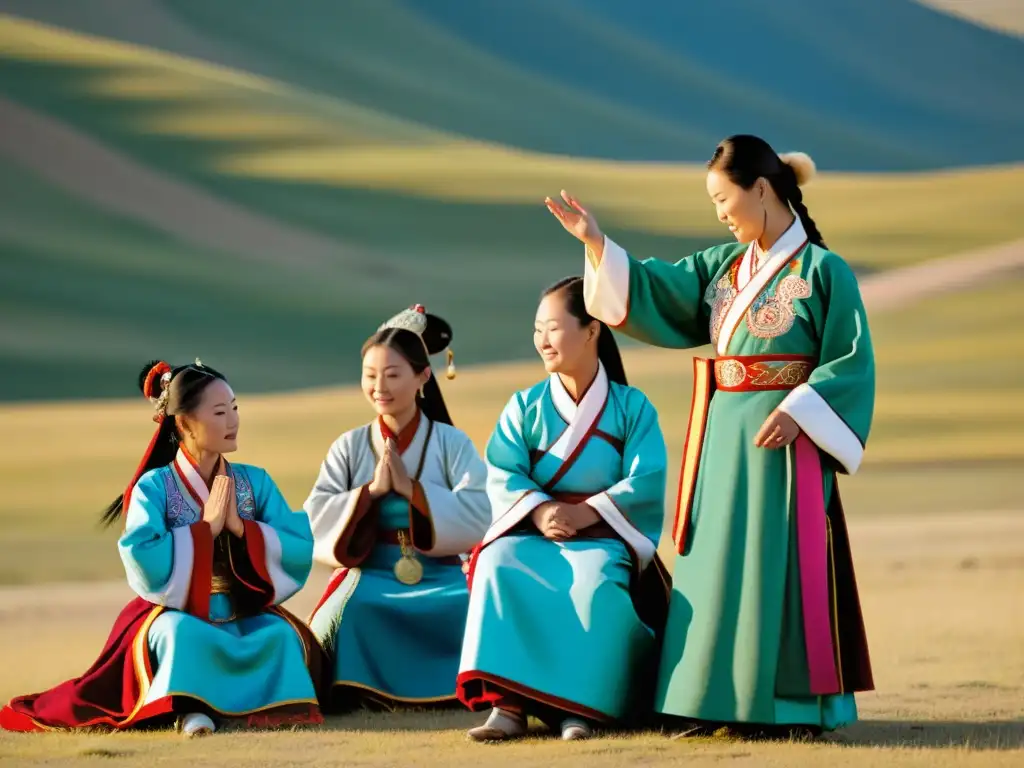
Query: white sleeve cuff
[(284, 585), (643, 547), (174, 593), (606, 288), (326, 531), (820, 423), (515, 515)]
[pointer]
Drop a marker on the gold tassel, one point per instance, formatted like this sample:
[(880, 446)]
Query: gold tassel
[(451, 365)]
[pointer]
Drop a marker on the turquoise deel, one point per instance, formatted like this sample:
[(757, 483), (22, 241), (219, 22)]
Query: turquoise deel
[(399, 641), (556, 618), (734, 648), (236, 667)]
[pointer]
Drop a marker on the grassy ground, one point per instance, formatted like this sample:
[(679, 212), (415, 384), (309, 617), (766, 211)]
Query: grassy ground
[(940, 595), (947, 434)]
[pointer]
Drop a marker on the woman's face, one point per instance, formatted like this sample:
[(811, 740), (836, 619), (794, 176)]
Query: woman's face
[(213, 426), (742, 210), (389, 382), (563, 343)]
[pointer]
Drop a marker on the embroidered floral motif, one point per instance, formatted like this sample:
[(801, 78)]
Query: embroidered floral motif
[(179, 512), (771, 316), (243, 493), (730, 373), (750, 374), (720, 297)]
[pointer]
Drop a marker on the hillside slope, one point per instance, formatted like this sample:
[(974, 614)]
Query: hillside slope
[(172, 198), (875, 85)]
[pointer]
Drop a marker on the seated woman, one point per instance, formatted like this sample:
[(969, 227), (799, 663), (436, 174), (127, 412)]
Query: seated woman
[(397, 502), (567, 595), (212, 550)]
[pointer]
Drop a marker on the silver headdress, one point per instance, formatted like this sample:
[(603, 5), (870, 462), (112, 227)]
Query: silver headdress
[(435, 333), (412, 319)]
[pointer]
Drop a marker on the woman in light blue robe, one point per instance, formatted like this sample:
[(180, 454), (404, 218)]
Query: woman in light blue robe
[(212, 550), (397, 503), (567, 596)]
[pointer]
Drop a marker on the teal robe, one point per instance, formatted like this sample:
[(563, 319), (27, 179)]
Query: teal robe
[(219, 641), (555, 621), (392, 643), (740, 645)]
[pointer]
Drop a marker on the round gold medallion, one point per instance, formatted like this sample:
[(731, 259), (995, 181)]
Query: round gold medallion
[(409, 570)]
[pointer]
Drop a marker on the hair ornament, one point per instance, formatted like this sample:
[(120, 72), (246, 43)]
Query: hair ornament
[(412, 319), (802, 164)]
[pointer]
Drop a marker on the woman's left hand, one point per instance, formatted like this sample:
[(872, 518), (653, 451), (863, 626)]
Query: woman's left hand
[(580, 515), (778, 431), (400, 481)]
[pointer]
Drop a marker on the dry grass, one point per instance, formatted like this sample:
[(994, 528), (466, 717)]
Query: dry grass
[(1002, 15), (944, 439), (273, 131), (941, 597), (72, 458)]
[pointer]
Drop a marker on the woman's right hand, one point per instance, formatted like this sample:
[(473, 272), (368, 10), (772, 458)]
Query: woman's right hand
[(552, 521), (215, 510), (578, 222), (381, 483)]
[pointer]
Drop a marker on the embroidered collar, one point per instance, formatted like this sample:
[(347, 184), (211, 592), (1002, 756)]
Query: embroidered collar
[(581, 417), (792, 242), (754, 259), (407, 435), (187, 470)]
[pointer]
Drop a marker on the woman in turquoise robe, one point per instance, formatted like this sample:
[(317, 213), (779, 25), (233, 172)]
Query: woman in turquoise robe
[(212, 550), (397, 503), (765, 627), (560, 624)]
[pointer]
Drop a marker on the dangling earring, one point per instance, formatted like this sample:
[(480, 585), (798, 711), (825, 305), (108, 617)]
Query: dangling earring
[(764, 224), (450, 373), (421, 391)]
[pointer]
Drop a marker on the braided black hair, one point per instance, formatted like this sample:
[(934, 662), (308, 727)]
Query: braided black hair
[(745, 159)]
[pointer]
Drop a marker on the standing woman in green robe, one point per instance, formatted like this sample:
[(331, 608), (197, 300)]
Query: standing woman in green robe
[(765, 626)]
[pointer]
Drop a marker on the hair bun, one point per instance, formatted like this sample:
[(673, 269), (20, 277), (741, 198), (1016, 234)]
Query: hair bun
[(437, 336), (802, 164), (149, 377)]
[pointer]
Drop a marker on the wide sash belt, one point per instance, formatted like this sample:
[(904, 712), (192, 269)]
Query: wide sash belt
[(761, 373)]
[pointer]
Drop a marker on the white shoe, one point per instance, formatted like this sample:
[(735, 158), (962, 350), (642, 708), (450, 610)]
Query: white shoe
[(574, 729), (197, 724), (502, 725)]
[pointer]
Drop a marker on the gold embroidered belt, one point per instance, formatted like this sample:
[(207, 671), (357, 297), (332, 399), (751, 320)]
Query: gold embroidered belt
[(759, 373), (741, 373)]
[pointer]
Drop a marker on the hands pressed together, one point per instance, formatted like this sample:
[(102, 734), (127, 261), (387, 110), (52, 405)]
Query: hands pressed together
[(390, 474), (221, 508)]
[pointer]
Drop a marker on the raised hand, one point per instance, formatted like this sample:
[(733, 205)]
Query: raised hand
[(215, 510), (577, 221), (400, 481)]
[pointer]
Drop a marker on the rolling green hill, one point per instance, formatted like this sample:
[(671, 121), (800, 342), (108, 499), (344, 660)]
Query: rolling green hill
[(262, 187), (875, 85)]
